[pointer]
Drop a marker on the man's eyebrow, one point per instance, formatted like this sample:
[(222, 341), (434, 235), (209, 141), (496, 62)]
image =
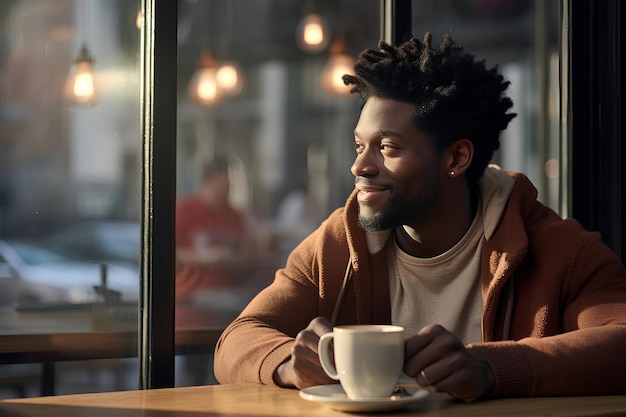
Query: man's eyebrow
[(384, 133)]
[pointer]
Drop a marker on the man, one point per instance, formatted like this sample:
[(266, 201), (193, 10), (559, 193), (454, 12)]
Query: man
[(209, 230), (499, 295), (210, 237)]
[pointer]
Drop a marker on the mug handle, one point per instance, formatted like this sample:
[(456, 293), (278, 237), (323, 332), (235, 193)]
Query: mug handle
[(323, 352)]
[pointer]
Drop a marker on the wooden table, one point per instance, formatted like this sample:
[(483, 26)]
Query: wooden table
[(52, 337), (257, 400)]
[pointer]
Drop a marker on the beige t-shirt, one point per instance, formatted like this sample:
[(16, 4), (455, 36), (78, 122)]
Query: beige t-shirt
[(446, 289), (441, 290)]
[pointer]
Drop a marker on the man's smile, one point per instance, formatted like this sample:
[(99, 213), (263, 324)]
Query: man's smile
[(369, 192)]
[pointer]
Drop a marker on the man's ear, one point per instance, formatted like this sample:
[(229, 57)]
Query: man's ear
[(459, 157)]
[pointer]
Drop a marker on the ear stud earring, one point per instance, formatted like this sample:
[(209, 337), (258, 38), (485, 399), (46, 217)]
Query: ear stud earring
[(452, 173)]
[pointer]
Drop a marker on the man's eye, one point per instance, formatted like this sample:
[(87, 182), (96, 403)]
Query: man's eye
[(358, 146)]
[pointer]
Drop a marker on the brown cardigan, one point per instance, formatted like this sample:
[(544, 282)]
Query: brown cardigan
[(554, 317)]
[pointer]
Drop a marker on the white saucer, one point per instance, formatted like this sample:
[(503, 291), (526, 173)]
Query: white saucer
[(335, 397)]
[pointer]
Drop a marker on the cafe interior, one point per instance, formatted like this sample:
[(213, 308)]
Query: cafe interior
[(109, 110)]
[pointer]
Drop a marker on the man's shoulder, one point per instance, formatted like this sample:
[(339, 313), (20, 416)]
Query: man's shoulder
[(541, 222)]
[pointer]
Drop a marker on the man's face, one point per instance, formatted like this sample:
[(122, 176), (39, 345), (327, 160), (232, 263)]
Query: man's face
[(397, 170), (217, 189)]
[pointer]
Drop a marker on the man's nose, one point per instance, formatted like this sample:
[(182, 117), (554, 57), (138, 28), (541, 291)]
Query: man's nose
[(365, 164)]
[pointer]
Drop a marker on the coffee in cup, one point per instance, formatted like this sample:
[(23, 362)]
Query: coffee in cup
[(368, 359)]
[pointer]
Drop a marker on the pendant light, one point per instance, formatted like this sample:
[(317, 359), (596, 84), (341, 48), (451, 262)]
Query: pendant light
[(203, 88), (212, 81), (229, 79), (312, 34), (80, 87), (339, 62), (229, 75)]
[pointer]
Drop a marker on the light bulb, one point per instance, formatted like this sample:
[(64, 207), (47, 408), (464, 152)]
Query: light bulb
[(81, 87), (312, 35), (229, 80), (332, 74), (83, 82), (202, 88)]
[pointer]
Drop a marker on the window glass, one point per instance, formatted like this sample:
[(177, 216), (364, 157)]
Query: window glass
[(521, 37), (69, 193)]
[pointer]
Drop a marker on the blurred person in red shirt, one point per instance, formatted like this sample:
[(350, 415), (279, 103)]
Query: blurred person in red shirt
[(210, 235), (211, 240)]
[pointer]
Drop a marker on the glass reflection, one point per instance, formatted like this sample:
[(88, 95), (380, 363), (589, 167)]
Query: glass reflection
[(69, 188)]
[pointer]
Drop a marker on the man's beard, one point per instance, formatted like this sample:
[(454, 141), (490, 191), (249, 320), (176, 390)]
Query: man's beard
[(393, 215), (401, 211)]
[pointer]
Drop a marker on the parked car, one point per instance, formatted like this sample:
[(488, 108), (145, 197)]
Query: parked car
[(99, 241), (33, 273)]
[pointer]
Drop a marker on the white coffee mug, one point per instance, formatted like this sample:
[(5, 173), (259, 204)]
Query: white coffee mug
[(368, 359)]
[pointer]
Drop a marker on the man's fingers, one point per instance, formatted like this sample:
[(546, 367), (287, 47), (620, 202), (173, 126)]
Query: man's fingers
[(306, 352), (423, 338), (428, 347), (320, 326)]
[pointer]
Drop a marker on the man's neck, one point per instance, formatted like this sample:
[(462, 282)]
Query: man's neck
[(441, 237)]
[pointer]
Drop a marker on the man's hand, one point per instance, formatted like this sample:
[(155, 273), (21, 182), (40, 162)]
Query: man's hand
[(303, 369), (439, 359)]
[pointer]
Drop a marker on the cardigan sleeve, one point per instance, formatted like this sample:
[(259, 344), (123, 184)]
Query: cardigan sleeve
[(260, 339)]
